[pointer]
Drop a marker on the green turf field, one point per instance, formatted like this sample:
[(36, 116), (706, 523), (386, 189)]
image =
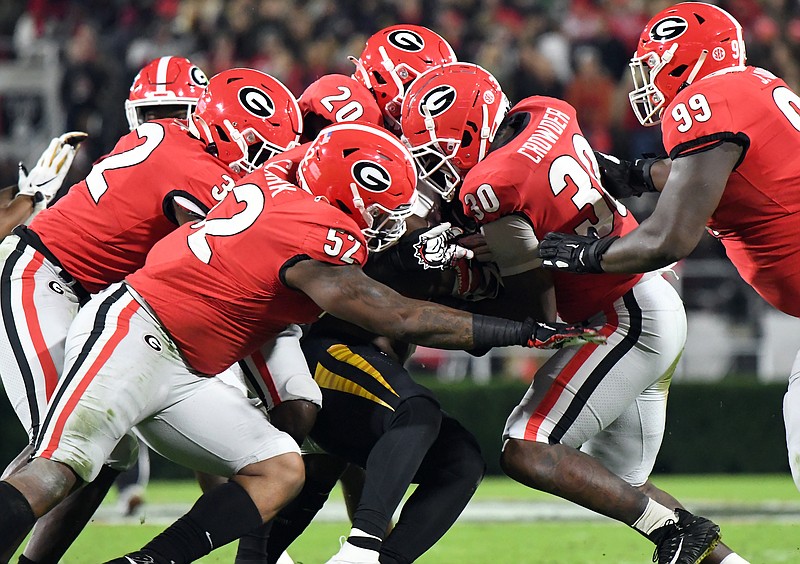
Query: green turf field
[(759, 516)]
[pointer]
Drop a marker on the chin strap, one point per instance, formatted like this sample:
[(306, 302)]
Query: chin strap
[(696, 69), (358, 203)]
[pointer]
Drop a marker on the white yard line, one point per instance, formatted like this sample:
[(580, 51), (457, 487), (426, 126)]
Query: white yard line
[(494, 511)]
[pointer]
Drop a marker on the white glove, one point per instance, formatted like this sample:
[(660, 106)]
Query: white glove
[(435, 247), (47, 176)]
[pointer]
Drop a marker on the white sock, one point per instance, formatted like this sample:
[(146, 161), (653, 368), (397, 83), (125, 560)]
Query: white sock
[(655, 515), (359, 533), (734, 559)]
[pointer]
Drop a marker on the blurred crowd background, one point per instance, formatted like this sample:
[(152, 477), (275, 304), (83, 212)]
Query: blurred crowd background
[(68, 64)]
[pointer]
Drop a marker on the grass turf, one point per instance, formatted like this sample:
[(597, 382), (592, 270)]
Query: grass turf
[(541, 542)]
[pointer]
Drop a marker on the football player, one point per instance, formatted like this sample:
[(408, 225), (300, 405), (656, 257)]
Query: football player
[(731, 132), (333, 98), (161, 174), (371, 404), (591, 424), (392, 58), (166, 87), (211, 293), (336, 98)]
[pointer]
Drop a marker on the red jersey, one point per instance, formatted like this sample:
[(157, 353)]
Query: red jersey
[(285, 165), (103, 228), (217, 285), (548, 174), (758, 216)]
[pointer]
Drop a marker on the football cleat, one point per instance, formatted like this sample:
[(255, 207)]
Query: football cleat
[(138, 557), (687, 540)]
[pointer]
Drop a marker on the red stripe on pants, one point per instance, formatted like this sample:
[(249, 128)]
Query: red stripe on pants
[(123, 325), (564, 377), (266, 377), (35, 327)]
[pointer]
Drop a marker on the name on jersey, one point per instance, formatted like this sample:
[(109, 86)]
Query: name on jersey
[(545, 136), (276, 185)]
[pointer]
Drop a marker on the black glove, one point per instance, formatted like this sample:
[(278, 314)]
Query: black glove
[(623, 179), (574, 253), (556, 335)]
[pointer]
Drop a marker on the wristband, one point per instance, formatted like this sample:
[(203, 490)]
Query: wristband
[(647, 179), (488, 332)]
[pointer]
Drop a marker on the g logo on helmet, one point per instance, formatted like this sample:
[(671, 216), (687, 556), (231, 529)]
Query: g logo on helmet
[(437, 101), (198, 77), (406, 40), (257, 102), (371, 176), (668, 29)]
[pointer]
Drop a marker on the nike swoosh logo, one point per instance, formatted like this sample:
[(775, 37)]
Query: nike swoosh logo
[(677, 553), (210, 542), (44, 183)]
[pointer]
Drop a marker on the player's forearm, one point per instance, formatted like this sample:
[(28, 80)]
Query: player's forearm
[(15, 213), (440, 327), (641, 251), (659, 172)]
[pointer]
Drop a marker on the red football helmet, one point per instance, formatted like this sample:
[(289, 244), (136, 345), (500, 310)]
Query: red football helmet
[(393, 58), (335, 98), (367, 173), (449, 118), (679, 45), (246, 117), (172, 83)]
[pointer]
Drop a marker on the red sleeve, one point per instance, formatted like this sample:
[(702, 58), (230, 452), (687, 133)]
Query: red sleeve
[(336, 240), (490, 191), (699, 119), (285, 165)]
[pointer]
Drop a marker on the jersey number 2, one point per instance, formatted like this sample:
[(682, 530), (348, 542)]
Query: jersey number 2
[(248, 194), (153, 135)]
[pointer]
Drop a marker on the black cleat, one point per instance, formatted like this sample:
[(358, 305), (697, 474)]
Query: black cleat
[(687, 540), (135, 558)]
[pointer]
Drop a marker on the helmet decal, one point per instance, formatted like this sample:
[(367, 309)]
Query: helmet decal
[(406, 40), (162, 88), (449, 117), (198, 77), (392, 58), (365, 172), (680, 45), (246, 117), (257, 102), (371, 176), (437, 101), (668, 29)]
